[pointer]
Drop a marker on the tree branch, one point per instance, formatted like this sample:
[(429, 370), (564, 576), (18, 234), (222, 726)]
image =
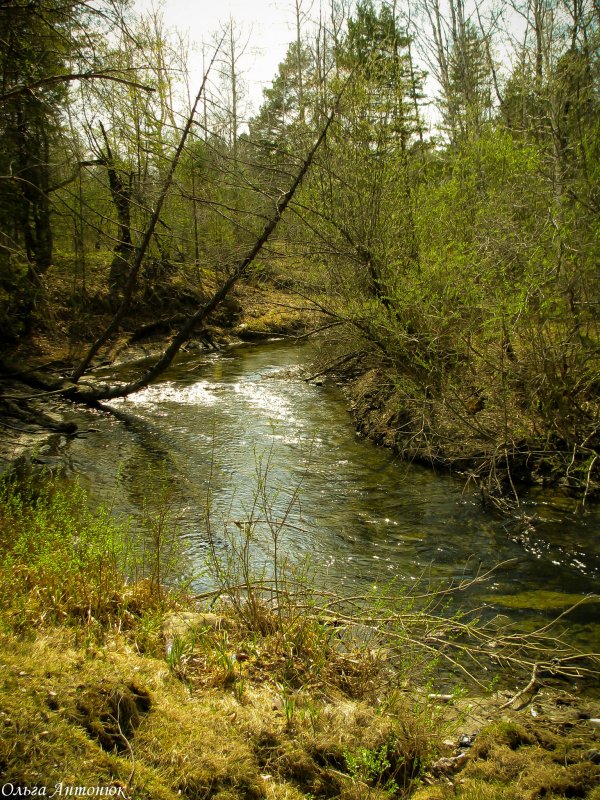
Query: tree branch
[(141, 250), (75, 76)]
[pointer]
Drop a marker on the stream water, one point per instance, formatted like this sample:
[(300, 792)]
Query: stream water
[(229, 423)]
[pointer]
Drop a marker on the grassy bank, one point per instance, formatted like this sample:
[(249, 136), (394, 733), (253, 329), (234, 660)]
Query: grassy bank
[(111, 680)]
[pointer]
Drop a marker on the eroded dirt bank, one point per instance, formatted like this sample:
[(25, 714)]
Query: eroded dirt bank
[(393, 412)]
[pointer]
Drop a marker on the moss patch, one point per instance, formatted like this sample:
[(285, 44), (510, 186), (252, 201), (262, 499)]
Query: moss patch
[(86, 715), (540, 600), (519, 760)]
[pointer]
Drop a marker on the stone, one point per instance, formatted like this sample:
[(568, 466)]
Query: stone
[(182, 624), (445, 765)]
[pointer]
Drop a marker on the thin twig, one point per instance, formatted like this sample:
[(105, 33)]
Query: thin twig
[(529, 688)]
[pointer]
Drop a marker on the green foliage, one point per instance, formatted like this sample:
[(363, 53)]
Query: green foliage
[(60, 558), (66, 560), (372, 766), (466, 270)]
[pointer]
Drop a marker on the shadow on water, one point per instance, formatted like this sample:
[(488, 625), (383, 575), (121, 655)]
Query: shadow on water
[(362, 517)]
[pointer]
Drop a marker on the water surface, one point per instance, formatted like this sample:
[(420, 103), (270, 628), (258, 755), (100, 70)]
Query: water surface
[(218, 424)]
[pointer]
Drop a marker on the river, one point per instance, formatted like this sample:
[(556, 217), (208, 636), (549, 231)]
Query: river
[(229, 424)]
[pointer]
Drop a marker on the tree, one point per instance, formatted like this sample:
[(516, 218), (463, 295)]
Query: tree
[(32, 49), (283, 114), (47, 47), (240, 270), (364, 191), (468, 101), (132, 130), (459, 55)]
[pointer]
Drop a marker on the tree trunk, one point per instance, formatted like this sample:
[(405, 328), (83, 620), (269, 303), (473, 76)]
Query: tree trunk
[(121, 196), (34, 165), (141, 250)]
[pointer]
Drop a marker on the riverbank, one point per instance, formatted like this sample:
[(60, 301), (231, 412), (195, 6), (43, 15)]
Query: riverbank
[(36, 424), (121, 686), (466, 437), (101, 714), (489, 438)]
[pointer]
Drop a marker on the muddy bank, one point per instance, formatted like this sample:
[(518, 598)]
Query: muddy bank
[(390, 412)]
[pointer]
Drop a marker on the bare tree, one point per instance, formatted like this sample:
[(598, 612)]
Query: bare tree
[(143, 247)]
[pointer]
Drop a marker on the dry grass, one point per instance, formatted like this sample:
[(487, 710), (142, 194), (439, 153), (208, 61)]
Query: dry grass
[(523, 761), (107, 715), (88, 713)]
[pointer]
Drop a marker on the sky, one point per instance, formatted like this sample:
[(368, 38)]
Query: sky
[(267, 25)]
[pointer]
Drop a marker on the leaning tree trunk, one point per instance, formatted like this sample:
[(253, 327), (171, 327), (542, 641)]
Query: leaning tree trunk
[(184, 333), (140, 251)]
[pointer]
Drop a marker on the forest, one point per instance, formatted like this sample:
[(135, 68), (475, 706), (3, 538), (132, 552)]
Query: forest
[(421, 178), (416, 196)]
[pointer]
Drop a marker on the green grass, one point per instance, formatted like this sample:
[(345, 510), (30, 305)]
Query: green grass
[(61, 560)]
